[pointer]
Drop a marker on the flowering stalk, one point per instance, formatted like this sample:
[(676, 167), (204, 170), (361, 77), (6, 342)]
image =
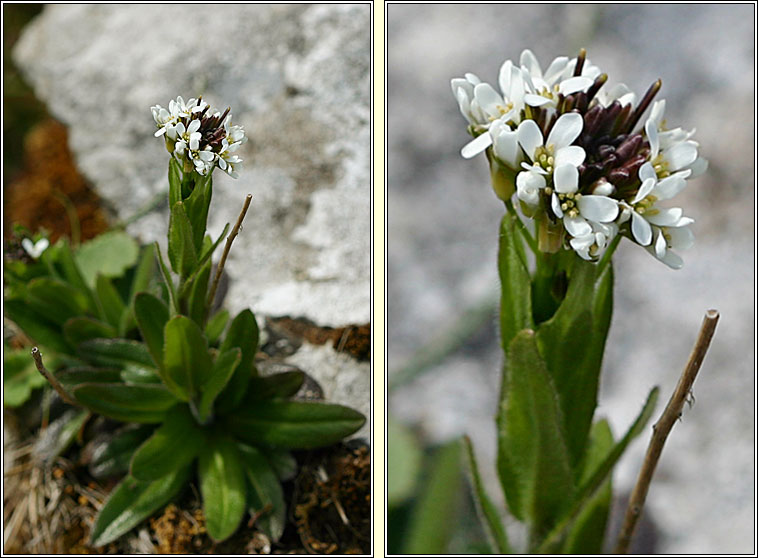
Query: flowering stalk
[(587, 169)]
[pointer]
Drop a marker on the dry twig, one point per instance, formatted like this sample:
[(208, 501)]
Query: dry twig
[(662, 428)]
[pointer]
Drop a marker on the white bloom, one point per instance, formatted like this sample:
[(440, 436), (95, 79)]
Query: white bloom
[(671, 150), (542, 88), (592, 245), (528, 187), (643, 209), (505, 145), (668, 239), (557, 151), (35, 249), (619, 92)]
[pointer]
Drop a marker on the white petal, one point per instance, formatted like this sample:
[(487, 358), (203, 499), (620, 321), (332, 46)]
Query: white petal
[(194, 126), (506, 147), (577, 226), (665, 217), (698, 167), (651, 130), (528, 186), (530, 137), (194, 142), (530, 61), (556, 68), (565, 130), (645, 188), (641, 230), (555, 204), (681, 155), (536, 100), (571, 155), (680, 238), (574, 84), (656, 113), (598, 208), (160, 132), (672, 260), (647, 171), (476, 146), (566, 179), (660, 245), (504, 77), (671, 186), (488, 98)]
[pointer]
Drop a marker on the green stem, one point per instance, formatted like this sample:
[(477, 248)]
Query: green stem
[(521, 227), (605, 260)]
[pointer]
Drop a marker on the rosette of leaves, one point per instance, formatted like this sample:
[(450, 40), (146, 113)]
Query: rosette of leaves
[(193, 382)]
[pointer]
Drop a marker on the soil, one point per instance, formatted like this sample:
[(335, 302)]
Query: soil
[(49, 507)]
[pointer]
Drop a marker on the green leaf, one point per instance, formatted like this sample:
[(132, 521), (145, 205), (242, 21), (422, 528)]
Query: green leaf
[(152, 315), (215, 326), (143, 276), (198, 294), (593, 482), (169, 283), (56, 300), (110, 301), (243, 333), (72, 377), (36, 326), (174, 182), (115, 352), (575, 366), (223, 369), (173, 445), (222, 485), (265, 495), (208, 251), (70, 270), (81, 329), (493, 525), (133, 501), (181, 250), (283, 463), (109, 254), (533, 463), (515, 282), (20, 376), (403, 463), (588, 532), (282, 385), (295, 424), (143, 403), (137, 374), (432, 520), (114, 456), (186, 362), (197, 204)]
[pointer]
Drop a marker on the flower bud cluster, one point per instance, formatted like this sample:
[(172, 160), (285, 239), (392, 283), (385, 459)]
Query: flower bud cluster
[(576, 158), (199, 138)]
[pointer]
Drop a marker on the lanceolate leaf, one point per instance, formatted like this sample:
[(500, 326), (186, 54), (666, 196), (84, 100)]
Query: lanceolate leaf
[(114, 456), (584, 315), (282, 386), (242, 333), (133, 501), (223, 369), (56, 300), (515, 282), (72, 377), (197, 208), (533, 462), (294, 424), (78, 330), (144, 403), (198, 294), (115, 352), (181, 251), (109, 300), (174, 182), (167, 280), (36, 326), (151, 314), (216, 325), (222, 485), (265, 496), (186, 362), (174, 445), (588, 532), (492, 523)]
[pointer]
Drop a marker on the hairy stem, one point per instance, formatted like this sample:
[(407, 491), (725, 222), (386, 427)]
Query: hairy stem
[(662, 428)]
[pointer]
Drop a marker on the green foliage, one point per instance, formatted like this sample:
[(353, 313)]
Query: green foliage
[(109, 255), (403, 463), (20, 376)]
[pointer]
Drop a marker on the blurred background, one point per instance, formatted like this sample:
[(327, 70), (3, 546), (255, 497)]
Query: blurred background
[(443, 352)]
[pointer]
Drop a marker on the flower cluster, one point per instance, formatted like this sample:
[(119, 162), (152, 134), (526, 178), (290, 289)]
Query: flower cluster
[(198, 137), (598, 174)]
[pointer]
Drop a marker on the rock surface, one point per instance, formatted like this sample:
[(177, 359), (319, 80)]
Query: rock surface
[(297, 78), (441, 260)]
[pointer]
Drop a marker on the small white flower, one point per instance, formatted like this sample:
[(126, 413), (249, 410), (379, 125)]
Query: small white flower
[(528, 187), (505, 145), (35, 249), (557, 151), (542, 88), (668, 239), (671, 150), (592, 245)]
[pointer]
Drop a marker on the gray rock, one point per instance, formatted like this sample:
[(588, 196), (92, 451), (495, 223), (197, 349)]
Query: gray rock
[(296, 77)]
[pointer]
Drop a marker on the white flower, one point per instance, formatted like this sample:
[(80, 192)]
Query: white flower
[(505, 145), (592, 245), (643, 208), (463, 90), (619, 92), (578, 211), (557, 151), (671, 150), (668, 239), (528, 187), (35, 249), (542, 88)]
